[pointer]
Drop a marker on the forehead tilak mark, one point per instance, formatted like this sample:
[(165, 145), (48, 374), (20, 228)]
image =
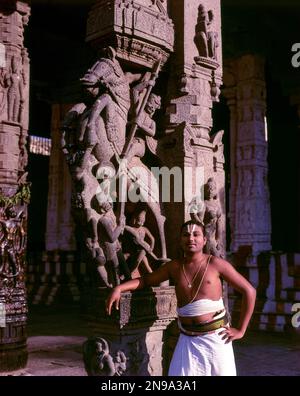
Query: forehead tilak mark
[(191, 228)]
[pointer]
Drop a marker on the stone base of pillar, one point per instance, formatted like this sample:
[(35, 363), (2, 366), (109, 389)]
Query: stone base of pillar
[(140, 331), (276, 277), (13, 348)]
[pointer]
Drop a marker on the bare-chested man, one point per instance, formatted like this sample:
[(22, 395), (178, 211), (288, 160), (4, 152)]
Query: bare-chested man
[(204, 347)]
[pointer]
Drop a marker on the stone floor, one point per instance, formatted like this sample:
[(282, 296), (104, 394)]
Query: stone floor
[(56, 338)]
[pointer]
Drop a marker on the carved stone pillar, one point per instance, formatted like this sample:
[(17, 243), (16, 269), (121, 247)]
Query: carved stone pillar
[(60, 233), (250, 206), (196, 72), (14, 191), (138, 32)]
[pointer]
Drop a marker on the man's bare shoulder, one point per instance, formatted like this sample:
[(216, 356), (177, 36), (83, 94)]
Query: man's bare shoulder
[(173, 265), (219, 264)]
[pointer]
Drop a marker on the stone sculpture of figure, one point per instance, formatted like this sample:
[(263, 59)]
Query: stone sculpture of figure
[(109, 230), (205, 39), (97, 257), (96, 126), (104, 363), (94, 133), (145, 133), (102, 126), (143, 119), (120, 363), (73, 155), (2, 92), (106, 176), (103, 114), (210, 216), (98, 360), (136, 246), (12, 242), (146, 124), (82, 178), (14, 82)]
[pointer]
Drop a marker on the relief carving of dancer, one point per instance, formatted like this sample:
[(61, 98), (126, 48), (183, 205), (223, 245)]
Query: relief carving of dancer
[(139, 244)]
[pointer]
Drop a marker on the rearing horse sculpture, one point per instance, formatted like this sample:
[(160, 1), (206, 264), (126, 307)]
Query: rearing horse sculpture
[(98, 138)]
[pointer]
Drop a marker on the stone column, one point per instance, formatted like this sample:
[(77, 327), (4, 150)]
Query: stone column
[(60, 234), (250, 201), (196, 72), (14, 191), (140, 32), (230, 94)]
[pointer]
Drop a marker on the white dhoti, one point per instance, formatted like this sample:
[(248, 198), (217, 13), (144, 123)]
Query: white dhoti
[(205, 355)]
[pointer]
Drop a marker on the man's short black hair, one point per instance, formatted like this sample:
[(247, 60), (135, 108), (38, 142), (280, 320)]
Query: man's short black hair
[(191, 222)]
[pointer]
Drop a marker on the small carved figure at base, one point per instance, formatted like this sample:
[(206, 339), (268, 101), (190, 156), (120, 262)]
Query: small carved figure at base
[(98, 361)]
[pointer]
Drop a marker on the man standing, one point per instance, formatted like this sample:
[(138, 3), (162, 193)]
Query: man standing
[(204, 347)]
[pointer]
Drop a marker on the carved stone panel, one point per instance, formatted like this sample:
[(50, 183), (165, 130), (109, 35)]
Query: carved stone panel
[(141, 31), (138, 330)]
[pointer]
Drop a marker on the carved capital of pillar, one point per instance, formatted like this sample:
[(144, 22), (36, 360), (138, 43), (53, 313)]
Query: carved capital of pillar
[(140, 30)]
